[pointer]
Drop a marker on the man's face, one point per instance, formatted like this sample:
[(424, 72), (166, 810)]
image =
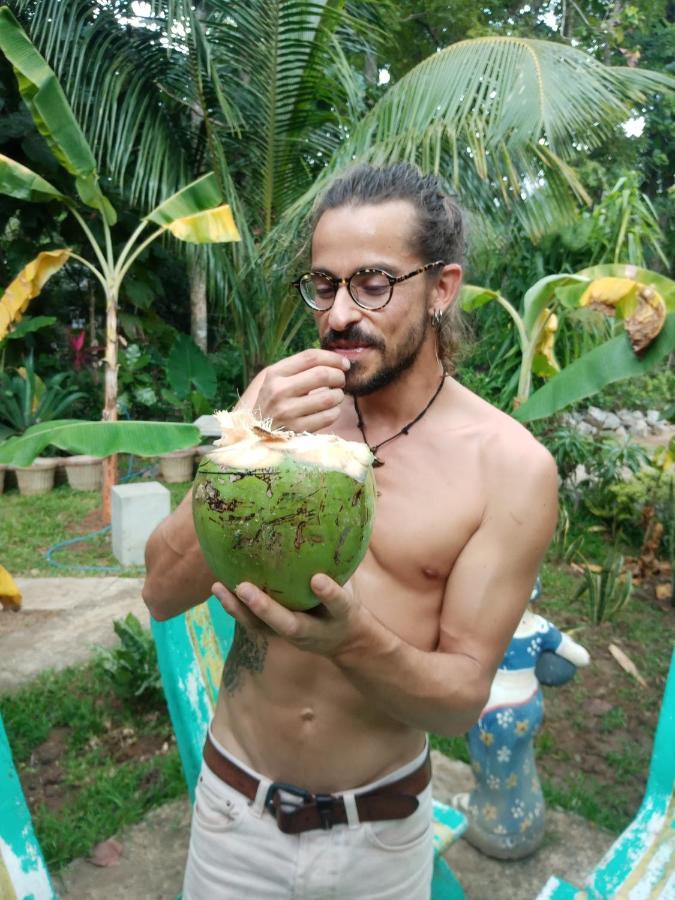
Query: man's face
[(380, 344)]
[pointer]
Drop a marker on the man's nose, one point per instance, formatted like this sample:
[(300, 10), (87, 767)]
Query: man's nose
[(343, 311)]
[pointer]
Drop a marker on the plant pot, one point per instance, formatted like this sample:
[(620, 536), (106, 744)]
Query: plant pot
[(202, 450), (177, 466), (37, 478), (84, 473)]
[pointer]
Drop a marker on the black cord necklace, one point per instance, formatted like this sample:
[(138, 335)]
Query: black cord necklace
[(406, 428)]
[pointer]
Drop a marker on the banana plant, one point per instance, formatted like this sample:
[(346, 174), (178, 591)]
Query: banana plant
[(195, 214), (644, 301), (102, 439)]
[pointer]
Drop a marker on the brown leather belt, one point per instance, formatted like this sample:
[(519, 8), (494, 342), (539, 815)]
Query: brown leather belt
[(396, 800)]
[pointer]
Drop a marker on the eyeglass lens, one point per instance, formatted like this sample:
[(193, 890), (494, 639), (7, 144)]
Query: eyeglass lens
[(371, 289)]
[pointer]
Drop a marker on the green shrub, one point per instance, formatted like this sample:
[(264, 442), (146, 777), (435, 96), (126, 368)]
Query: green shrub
[(608, 590), (132, 667), (655, 390), (570, 448), (650, 487)]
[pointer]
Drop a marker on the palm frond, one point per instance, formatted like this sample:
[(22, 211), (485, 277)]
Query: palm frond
[(509, 113)]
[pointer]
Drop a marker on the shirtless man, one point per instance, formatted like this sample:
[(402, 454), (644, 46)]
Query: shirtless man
[(341, 702)]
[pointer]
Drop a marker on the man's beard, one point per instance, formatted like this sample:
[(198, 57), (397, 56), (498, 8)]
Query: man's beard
[(391, 369)]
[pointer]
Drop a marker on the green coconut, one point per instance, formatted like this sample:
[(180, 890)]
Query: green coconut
[(275, 508)]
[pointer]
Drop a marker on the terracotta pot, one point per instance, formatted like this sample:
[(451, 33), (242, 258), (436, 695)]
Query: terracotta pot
[(37, 478), (177, 466), (84, 473)]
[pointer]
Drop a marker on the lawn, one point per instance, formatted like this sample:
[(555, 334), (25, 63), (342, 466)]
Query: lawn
[(31, 526)]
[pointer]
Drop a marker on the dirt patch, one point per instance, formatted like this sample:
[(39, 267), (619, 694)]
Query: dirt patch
[(43, 776), (14, 620), (125, 744), (93, 521)]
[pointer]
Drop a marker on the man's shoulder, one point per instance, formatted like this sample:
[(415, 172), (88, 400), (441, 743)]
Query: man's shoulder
[(508, 448)]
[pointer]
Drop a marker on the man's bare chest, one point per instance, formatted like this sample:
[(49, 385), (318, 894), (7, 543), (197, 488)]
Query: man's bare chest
[(422, 522)]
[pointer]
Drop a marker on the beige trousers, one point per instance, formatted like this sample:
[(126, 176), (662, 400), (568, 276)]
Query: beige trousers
[(237, 852)]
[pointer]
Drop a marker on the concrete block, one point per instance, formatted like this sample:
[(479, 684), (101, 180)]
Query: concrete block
[(208, 426), (137, 509)]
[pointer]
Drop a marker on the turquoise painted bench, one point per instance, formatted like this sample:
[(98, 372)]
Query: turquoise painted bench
[(640, 865), (191, 649), (23, 873)]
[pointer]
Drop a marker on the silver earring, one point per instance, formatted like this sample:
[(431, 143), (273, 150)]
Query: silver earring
[(436, 319)]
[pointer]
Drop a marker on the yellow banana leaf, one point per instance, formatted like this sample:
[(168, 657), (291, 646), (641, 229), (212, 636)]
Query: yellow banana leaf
[(28, 284), (640, 305), (10, 595), (544, 362), (211, 226)]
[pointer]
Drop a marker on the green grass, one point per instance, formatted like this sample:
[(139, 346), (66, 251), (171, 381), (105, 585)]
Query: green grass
[(586, 796), (29, 526), (102, 793)]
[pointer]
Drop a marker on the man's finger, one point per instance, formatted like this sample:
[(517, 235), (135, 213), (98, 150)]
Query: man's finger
[(309, 359), (334, 598), (234, 606), (285, 622), (299, 407)]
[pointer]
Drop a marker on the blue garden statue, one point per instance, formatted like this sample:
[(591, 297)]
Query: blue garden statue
[(505, 809)]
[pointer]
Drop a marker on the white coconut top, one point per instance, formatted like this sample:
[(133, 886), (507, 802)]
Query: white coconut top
[(251, 443)]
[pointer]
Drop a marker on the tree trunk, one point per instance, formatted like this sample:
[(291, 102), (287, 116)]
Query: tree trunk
[(198, 311), (110, 407)]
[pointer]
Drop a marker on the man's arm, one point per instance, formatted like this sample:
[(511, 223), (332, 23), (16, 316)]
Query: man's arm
[(302, 392), (441, 691)]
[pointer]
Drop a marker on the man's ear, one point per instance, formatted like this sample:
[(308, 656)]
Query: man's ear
[(447, 287)]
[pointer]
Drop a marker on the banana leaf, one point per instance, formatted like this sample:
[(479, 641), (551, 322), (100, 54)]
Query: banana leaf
[(471, 296), (540, 294), (24, 184), (53, 117), (210, 226), (27, 325), (199, 195), (27, 285), (664, 285), (611, 361), (98, 439)]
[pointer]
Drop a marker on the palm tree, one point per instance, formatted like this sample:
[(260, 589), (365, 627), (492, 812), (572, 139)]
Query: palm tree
[(266, 94)]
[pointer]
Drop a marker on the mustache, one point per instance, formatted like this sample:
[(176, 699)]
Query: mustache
[(353, 334)]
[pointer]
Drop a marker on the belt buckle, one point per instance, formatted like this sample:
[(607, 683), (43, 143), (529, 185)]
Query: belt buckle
[(325, 803)]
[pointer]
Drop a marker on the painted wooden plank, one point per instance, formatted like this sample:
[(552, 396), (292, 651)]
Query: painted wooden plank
[(644, 855), (557, 889), (23, 873)]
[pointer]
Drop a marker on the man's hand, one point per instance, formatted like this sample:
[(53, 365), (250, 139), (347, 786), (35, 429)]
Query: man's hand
[(303, 392), (338, 625)]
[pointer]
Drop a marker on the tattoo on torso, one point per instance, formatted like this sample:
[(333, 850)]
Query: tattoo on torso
[(248, 652)]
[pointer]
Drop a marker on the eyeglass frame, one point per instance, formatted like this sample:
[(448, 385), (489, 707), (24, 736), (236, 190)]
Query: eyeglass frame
[(347, 282)]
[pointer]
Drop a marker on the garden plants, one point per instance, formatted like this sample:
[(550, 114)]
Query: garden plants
[(195, 213), (643, 302)]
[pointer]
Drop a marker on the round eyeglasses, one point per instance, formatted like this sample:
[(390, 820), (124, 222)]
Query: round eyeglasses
[(368, 288)]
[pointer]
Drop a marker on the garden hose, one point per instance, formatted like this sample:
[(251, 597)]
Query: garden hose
[(55, 548)]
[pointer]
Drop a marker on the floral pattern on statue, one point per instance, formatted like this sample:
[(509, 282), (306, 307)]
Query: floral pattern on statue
[(506, 806)]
